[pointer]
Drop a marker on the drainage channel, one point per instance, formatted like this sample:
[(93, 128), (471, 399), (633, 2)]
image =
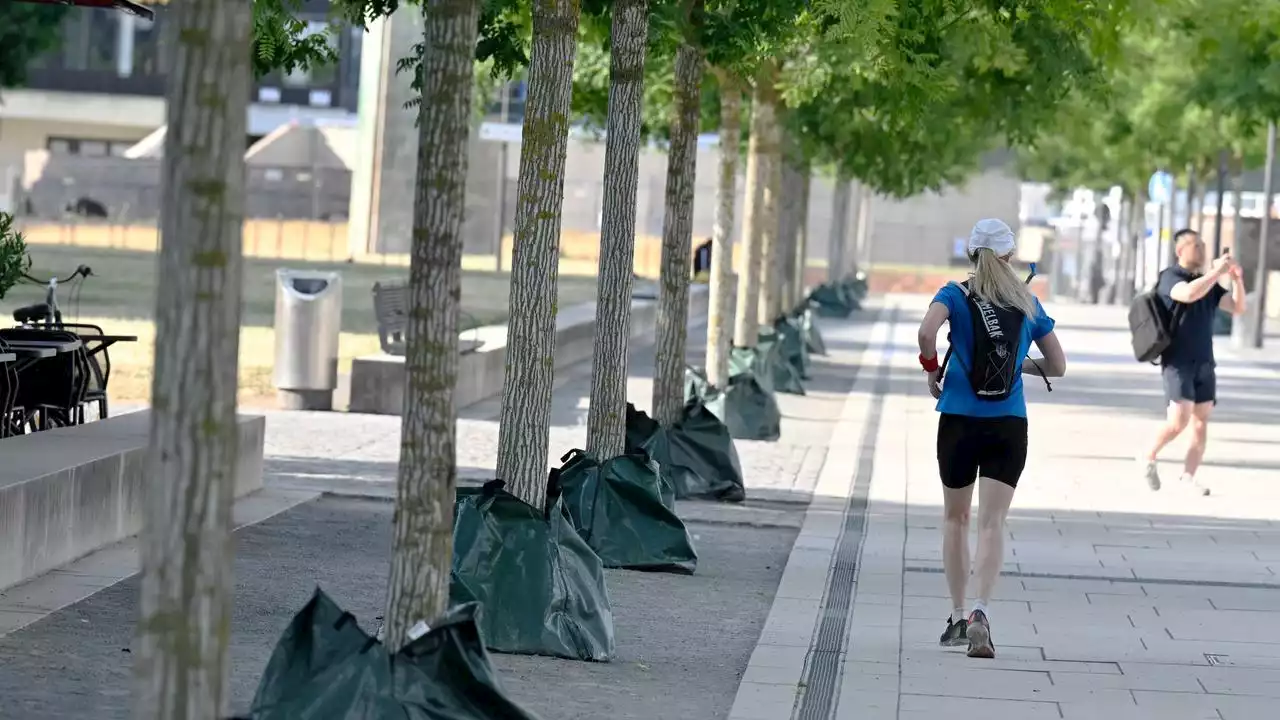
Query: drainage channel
[(823, 669)]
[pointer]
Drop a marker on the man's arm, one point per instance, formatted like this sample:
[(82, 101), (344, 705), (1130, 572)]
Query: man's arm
[(1189, 292), (1234, 302)]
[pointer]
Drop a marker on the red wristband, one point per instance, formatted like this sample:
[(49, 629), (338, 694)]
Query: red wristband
[(929, 364)]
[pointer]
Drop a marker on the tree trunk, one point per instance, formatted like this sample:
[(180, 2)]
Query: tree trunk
[(677, 231), (535, 257), (1237, 199), (770, 243), (718, 325), (784, 268), (422, 544), (186, 544), (840, 200), (1137, 265), (759, 152), (801, 261), (606, 416), (1117, 263), (862, 234)]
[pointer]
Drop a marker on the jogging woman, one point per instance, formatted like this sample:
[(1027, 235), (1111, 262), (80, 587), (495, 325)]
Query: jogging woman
[(982, 430)]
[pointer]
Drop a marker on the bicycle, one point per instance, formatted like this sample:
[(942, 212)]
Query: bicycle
[(48, 311)]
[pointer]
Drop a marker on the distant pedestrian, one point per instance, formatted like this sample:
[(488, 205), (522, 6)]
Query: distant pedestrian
[(702, 259), (982, 429), (1188, 368)]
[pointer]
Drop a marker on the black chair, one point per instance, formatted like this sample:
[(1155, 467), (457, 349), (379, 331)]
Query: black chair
[(9, 411), (51, 390), (99, 368)]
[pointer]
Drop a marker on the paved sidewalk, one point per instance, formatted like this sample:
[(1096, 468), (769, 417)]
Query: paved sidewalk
[(683, 641), (1116, 603)]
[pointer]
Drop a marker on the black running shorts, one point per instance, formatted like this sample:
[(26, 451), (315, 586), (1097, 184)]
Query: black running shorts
[(969, 448), (1196, 383)]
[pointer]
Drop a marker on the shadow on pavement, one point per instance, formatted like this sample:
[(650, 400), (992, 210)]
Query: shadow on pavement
[(683, 641)]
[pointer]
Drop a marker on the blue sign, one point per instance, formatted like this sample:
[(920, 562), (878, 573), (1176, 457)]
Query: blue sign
[(960, 247), (1160, 188)]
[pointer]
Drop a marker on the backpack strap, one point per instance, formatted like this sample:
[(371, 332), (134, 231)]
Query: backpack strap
[(942, 368)]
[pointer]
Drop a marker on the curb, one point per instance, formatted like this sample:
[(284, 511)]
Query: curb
[(772, 684)]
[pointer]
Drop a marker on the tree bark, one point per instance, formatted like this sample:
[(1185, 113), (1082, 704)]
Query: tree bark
[(861, 259), (677, 231), (718, 325), (771, 251), (840, 201), (759, 152), (1117, 263), (606, 416), (788, 202), (422, 540), (1137, 272), (1237, 199), (535, 258), (186, 544), (801, 261)]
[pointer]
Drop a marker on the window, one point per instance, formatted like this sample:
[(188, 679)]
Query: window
[(146, 48), (88, 147), (317, 76), (93, 148)]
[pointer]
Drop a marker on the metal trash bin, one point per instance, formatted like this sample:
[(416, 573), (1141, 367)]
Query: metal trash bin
[(308, 318)]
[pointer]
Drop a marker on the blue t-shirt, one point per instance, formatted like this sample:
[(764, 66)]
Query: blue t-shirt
[(1193, 341), (957, 397)]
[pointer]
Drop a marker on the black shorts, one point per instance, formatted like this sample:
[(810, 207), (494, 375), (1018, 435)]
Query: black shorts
[(1191, 383), (969, 448)]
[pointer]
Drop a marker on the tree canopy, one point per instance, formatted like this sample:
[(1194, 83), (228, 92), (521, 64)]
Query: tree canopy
[(1192, 78), (26, 32)]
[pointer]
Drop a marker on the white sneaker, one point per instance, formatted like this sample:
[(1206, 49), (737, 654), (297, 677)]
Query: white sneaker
[(1196, 486), (1151, 473)]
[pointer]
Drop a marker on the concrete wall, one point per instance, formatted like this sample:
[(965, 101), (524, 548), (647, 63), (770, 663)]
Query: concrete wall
[(378, 381), (65, 493), (130, 189), (921, 230), (20, 135)]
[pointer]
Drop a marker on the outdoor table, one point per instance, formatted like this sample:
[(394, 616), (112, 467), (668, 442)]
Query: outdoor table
[(95, 344), (28, 355), (57, 346)]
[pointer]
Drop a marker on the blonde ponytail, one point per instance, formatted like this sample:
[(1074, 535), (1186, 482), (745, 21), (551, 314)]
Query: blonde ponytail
[(995, 282)]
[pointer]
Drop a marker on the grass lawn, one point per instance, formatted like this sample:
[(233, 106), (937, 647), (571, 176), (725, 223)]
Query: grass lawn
[(120, 296)]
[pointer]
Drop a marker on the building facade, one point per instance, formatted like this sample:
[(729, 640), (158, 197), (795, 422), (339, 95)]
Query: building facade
[(101, 89)]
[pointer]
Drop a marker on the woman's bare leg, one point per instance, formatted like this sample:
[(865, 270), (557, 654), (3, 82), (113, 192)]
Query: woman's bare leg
[(955, 541)]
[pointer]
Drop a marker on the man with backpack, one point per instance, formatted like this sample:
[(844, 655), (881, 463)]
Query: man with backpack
[(1192, 300)]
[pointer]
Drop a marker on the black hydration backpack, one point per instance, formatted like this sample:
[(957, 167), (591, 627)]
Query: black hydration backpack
[(1152, 324), (997, 337)]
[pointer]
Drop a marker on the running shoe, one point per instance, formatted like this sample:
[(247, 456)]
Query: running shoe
[(979, 634), (1195, 485), (955, 634), (1152, 473)]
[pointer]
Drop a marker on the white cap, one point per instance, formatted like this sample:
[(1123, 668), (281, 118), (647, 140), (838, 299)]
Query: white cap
[(992, 234)]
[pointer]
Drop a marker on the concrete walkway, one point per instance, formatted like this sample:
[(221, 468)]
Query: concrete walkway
[(1116, 602)]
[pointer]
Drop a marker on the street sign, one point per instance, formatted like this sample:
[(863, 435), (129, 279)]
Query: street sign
[(1160, 188), (501, 132)]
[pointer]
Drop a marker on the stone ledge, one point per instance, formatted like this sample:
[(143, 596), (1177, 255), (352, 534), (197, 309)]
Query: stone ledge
[(68, 492), (378, 383)]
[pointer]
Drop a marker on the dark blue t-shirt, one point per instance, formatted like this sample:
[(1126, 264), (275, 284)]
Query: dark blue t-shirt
[(958, 397), (1193, 339)]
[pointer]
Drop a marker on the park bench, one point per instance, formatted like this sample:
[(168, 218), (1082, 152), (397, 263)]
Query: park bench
[(391, 309)]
